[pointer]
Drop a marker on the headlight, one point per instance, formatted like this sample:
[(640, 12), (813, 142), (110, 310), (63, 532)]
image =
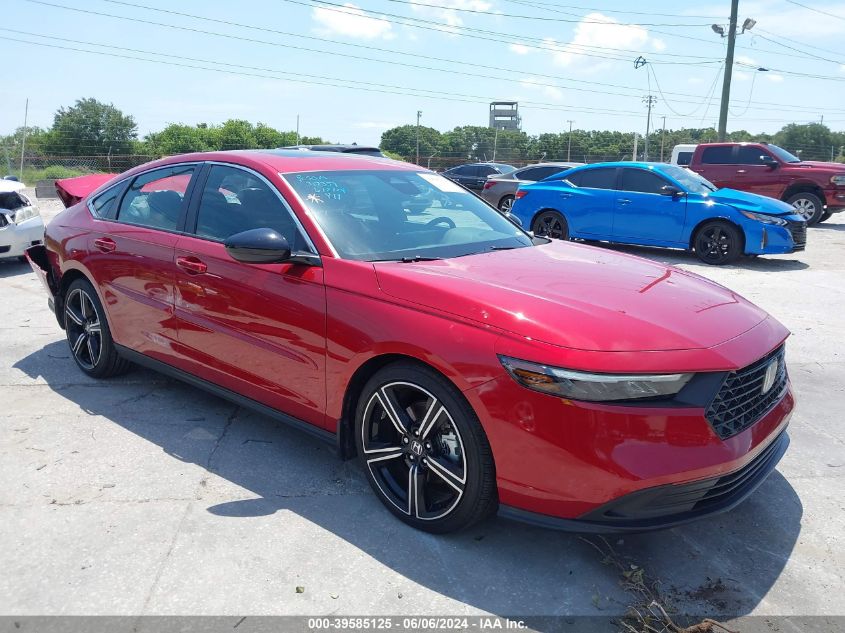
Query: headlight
[(765, 219), (576, 385), (838, 180), (27, 213)]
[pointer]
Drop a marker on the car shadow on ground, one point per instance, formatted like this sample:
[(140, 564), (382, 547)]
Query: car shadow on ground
[(674, 257), (13, 268), (720, 566), (828, 226)]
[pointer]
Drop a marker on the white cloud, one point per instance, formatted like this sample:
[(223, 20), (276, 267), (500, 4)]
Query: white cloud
[(519, 49), (774, 77), (445, 11), (842, 68), (352, 22), (538, 84), (374, 125), (741, 76), (597, 31)]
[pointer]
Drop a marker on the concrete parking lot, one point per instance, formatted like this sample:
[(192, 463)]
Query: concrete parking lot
[(142, 495)]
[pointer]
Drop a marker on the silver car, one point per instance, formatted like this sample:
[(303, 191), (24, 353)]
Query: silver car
[(499, 190)]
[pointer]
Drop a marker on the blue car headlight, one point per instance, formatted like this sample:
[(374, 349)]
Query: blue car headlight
[(765, 219)]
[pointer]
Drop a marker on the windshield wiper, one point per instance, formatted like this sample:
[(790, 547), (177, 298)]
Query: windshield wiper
[(503, 248), (408, 260)]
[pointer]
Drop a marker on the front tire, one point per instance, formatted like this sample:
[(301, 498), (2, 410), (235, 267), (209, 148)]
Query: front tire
[(825, 216), (550, 223), (88, 334), (809, 206), (423, 449), (718, 243)]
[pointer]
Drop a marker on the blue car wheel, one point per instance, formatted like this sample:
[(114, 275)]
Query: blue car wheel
[(550, 223), (718, 243)]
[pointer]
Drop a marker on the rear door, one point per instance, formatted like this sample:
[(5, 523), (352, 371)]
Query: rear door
[(718, 165), (754, 175), (131, 256), (643, 213), (589, 206), (462, 175), (259, 330)]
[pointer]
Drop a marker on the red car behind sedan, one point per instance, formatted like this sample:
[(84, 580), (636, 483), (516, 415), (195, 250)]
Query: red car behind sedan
[(470, 366)]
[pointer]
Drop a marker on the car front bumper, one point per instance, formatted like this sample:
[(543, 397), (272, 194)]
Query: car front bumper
[(768, 239), (16, 238)]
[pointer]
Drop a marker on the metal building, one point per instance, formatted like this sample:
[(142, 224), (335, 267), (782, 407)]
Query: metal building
[(504, 115)]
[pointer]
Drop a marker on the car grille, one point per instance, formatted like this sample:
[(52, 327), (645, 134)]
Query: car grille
[(798, 230), (741, 402)]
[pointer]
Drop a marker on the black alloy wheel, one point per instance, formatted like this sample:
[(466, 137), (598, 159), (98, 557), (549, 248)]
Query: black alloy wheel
[(88, 333), (425, 454), (551, 224), (718, 243)]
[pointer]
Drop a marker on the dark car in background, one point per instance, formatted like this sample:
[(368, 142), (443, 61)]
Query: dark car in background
[(474, 175), (344, 149), (500, 190)]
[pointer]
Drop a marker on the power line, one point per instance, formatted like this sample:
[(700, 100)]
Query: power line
[(554, 5), (798, 50), (833, 15)]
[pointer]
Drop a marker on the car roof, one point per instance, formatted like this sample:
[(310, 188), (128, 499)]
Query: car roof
[(626, 163), (290, 161), (335, 148)]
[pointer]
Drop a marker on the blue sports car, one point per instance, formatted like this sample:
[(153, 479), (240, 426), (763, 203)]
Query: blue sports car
[(654, 204)]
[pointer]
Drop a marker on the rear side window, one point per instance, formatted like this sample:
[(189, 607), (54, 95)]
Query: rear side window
[(155, 199), (684, 158), (459, 171), (750, 155), (602, 178), (103, 206), (485, 170), (719, 155), (641, 181), (539, 173)]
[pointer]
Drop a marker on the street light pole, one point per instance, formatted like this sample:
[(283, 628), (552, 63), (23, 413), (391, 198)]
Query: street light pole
[(419, 114), (649, 100), (729, 65), (569, 143)]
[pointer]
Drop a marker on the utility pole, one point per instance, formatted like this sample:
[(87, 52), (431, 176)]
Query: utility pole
[(649, 100), (569, 143), (662, 138), (635, 147), (297, 129), (495, 143), (419, 114), (729, 66), (23, 142)]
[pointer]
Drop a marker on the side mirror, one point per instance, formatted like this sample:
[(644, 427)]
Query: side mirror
[(669, 190), (258, 246), (769, 162)]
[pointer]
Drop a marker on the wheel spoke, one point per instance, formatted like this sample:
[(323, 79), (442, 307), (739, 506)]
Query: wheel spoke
[(416, 492), (432, 414), (77, 346), (384, 454), (91, 356), (73, 315), (94, 327), (445, 473), (394, 411)]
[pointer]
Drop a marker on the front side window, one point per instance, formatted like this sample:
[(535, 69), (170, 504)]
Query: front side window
[(486, 170), (103, 205), (235, 200), (154, 199), (641, 181), (689, 180), (390, 215), (782, 154), (751, 155)]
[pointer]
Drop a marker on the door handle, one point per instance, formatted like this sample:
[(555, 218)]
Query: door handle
[(624, 201), (191, 265), (105, 244), (740, 171)]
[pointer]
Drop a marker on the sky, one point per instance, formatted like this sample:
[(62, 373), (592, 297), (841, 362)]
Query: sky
[(351, 70)]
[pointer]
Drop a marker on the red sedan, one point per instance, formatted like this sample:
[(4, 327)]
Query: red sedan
[(469, 366)]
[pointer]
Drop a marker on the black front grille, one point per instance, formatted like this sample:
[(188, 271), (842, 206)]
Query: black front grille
[(798, 230), (741, 401)]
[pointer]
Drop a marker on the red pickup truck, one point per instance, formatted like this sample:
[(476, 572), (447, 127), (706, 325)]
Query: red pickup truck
[(816, 189)]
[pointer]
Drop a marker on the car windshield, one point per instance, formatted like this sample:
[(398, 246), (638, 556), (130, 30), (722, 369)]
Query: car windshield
[(402, 215), (689, 180), (505, 169), (783, 154)]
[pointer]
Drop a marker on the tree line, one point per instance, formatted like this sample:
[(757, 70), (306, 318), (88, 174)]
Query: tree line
[(90, 128)]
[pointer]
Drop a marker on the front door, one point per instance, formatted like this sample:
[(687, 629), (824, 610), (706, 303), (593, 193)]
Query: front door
[(754, 174), (259, 330), (642, 213)]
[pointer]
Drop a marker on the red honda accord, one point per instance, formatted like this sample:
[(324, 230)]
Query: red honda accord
[(469, 366)]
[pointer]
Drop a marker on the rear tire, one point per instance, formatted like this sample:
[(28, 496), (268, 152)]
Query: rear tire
[(423, 449), (718, 243), (551, 223), (88, 334), (505, 204), (809, 206)]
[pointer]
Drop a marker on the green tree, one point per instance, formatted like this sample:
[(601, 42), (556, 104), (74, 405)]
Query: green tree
[(91, 128), (811, 141), (402, 140)]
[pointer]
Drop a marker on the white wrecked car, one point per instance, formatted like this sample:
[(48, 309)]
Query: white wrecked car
[(21, 225)]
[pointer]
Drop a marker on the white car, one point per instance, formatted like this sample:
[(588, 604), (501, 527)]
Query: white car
[(21, 225)]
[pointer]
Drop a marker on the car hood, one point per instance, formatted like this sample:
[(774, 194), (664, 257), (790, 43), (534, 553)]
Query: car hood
[(576, 296), (751, 202), (838, 168)]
